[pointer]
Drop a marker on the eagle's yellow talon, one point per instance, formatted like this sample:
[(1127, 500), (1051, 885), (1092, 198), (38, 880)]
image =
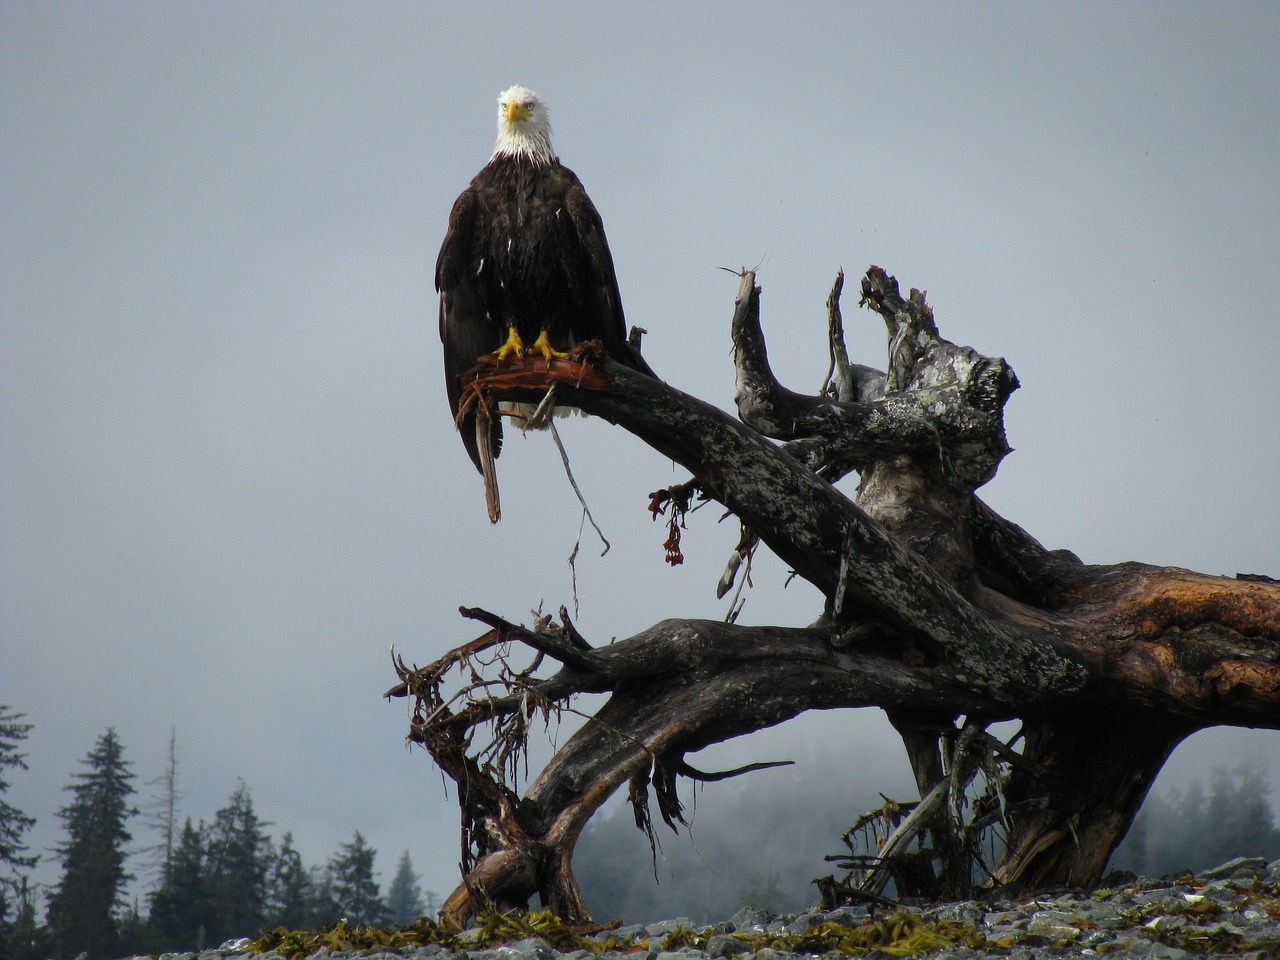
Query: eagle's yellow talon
[(542, 347), (514, 347)]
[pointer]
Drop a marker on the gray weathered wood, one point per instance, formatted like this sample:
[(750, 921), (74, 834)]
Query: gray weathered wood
[(935, 607)]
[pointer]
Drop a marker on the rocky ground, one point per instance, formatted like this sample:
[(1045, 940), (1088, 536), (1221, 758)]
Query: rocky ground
[(1232, 910)]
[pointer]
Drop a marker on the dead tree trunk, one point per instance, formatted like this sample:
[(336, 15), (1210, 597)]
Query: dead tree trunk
[(936, 609)]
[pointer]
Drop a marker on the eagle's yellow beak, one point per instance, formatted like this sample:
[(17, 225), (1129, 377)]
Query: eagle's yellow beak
[(515, 111)]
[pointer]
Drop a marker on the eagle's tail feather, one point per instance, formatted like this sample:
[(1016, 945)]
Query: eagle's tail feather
[(488, 468)]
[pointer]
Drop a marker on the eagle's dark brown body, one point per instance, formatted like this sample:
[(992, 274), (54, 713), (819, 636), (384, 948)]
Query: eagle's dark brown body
[(525, 250)]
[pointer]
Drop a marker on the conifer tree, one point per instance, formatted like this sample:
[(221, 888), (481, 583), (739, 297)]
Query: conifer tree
[(324, 905), (182, 904), (83, 909), (136, 935), (13, 822), (404, 896), (15, 906), (238, 857), (355, 892), (1238, 818), (291, 894), (25, 939)]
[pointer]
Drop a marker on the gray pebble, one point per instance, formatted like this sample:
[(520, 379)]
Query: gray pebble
[(724, 945), (1238, 869), (664, 928), (750, 920)]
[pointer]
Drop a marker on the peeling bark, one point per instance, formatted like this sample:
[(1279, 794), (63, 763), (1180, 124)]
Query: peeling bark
[(935, 608)]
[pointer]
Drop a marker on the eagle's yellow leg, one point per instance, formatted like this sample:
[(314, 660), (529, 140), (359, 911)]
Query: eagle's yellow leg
[(542, 347), (514, 347)]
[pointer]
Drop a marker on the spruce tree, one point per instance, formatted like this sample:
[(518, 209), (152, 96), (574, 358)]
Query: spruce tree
[(291, 894), (238, 857), (1239, 819), (181, 904), (404, 896), (324, 905), (25, 939), (354, 890), (13, 822), (83, 908)]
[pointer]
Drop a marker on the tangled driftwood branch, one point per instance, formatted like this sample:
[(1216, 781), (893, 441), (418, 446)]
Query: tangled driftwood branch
[(936, 608)]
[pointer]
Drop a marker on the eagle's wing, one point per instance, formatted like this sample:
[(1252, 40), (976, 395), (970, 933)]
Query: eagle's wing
[(466, 329), (602, 317)]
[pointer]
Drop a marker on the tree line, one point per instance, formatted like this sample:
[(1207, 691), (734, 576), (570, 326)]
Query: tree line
[(228, 878), (213, 880), (761, 842), (1201, 828)]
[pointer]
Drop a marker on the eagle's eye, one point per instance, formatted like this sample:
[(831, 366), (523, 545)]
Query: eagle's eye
[(529, 104)]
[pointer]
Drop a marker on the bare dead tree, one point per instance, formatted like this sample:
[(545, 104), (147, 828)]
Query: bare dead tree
[(936, 609)]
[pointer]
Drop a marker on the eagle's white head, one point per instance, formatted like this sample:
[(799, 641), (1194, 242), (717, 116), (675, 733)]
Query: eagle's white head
[(524, 129)]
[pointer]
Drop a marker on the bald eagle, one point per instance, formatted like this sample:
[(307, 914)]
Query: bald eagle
[(524, 268)]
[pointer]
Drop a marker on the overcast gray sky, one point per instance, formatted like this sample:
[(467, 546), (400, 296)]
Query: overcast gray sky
[(230, 484)]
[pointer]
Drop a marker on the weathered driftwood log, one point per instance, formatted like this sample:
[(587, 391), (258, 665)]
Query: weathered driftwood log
[(936, 608)]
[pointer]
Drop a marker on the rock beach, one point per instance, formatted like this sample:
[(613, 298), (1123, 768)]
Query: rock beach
[(1232, 909)]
